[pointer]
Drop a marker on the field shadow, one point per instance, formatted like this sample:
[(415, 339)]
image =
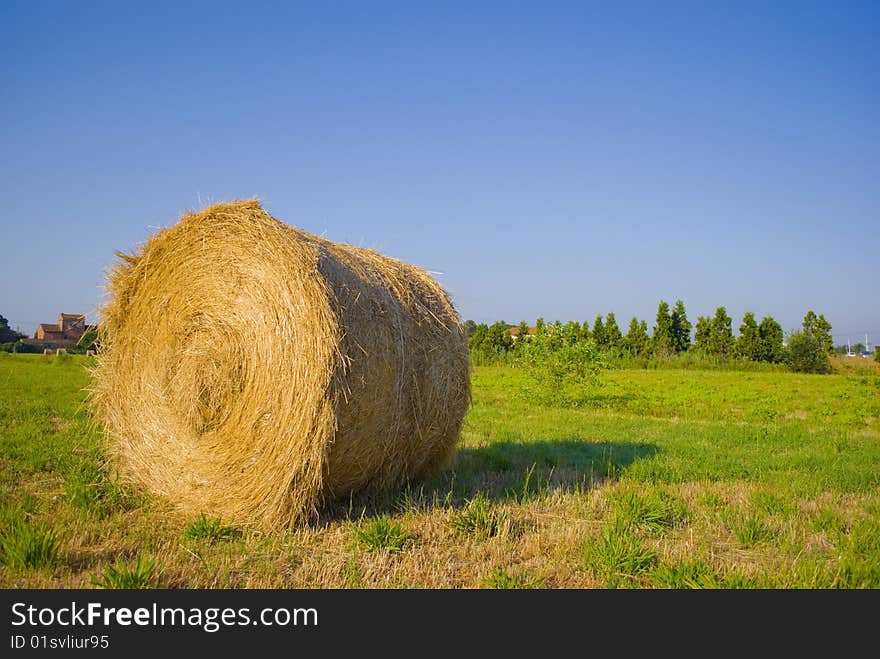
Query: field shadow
[(503, 472)]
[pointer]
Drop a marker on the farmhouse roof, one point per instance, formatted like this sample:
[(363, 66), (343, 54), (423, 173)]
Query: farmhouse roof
[(50, 327), (72, 316)]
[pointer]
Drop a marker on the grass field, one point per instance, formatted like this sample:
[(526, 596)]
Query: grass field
[(666, 478)]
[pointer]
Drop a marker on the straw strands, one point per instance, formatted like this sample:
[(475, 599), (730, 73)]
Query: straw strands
[(250, 369)]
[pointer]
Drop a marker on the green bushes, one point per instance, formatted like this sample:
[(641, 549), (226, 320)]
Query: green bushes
[(18, 347), (489, 345), (693, 359), (806, 353), (563, 373)]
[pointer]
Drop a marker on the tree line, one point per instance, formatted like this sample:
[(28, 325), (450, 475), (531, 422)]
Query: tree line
[(672, 334)]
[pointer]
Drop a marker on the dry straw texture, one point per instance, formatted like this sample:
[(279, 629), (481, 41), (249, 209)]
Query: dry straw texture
[(254, 370)]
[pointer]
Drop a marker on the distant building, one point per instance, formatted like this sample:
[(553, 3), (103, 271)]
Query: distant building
[(66, 333), (514, 331)]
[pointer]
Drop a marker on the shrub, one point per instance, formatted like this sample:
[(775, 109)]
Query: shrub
[(88, 340), (19, 347), (806, 354), (563, 373)]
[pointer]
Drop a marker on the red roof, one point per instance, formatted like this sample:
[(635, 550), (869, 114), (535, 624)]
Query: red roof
[(514, 331)]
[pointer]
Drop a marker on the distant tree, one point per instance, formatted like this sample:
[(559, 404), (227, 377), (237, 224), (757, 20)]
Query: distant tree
[(806, 354), (810, 321), (702, 334), (498, 338), (823, 333), (749, 344), (586, 334), (599, 332), (490, 343), (7, 334), (523, 332), (469, 327), (771, 335), (613, 337), (662, 341), (475, 343), (820, 328), (89, 340), (540, 328), (721, 341), (571, 332), (636, 339), (877, 354), (556, 337), (680, 328)]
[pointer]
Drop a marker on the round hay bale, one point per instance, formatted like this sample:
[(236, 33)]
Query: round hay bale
[(253, 370)]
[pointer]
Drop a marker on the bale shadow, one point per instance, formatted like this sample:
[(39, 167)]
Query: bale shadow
[(502, 472)]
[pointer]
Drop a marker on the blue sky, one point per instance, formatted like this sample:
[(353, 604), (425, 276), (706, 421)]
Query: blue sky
[(549, 159)]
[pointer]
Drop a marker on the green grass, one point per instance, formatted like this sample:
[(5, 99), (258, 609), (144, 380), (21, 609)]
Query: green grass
[(712, 501), (211, 529), (88, 489), (478, 519), (689, 573), (617, 556), (770, 503), (25, 545), (501, 579), (664, 479), (382, 534), (750, 529), (122, 575), (829, 522), (656, 511), (679, 426), (860, 556)]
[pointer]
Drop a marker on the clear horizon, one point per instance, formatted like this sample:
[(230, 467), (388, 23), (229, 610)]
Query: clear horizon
[(560, 161)]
